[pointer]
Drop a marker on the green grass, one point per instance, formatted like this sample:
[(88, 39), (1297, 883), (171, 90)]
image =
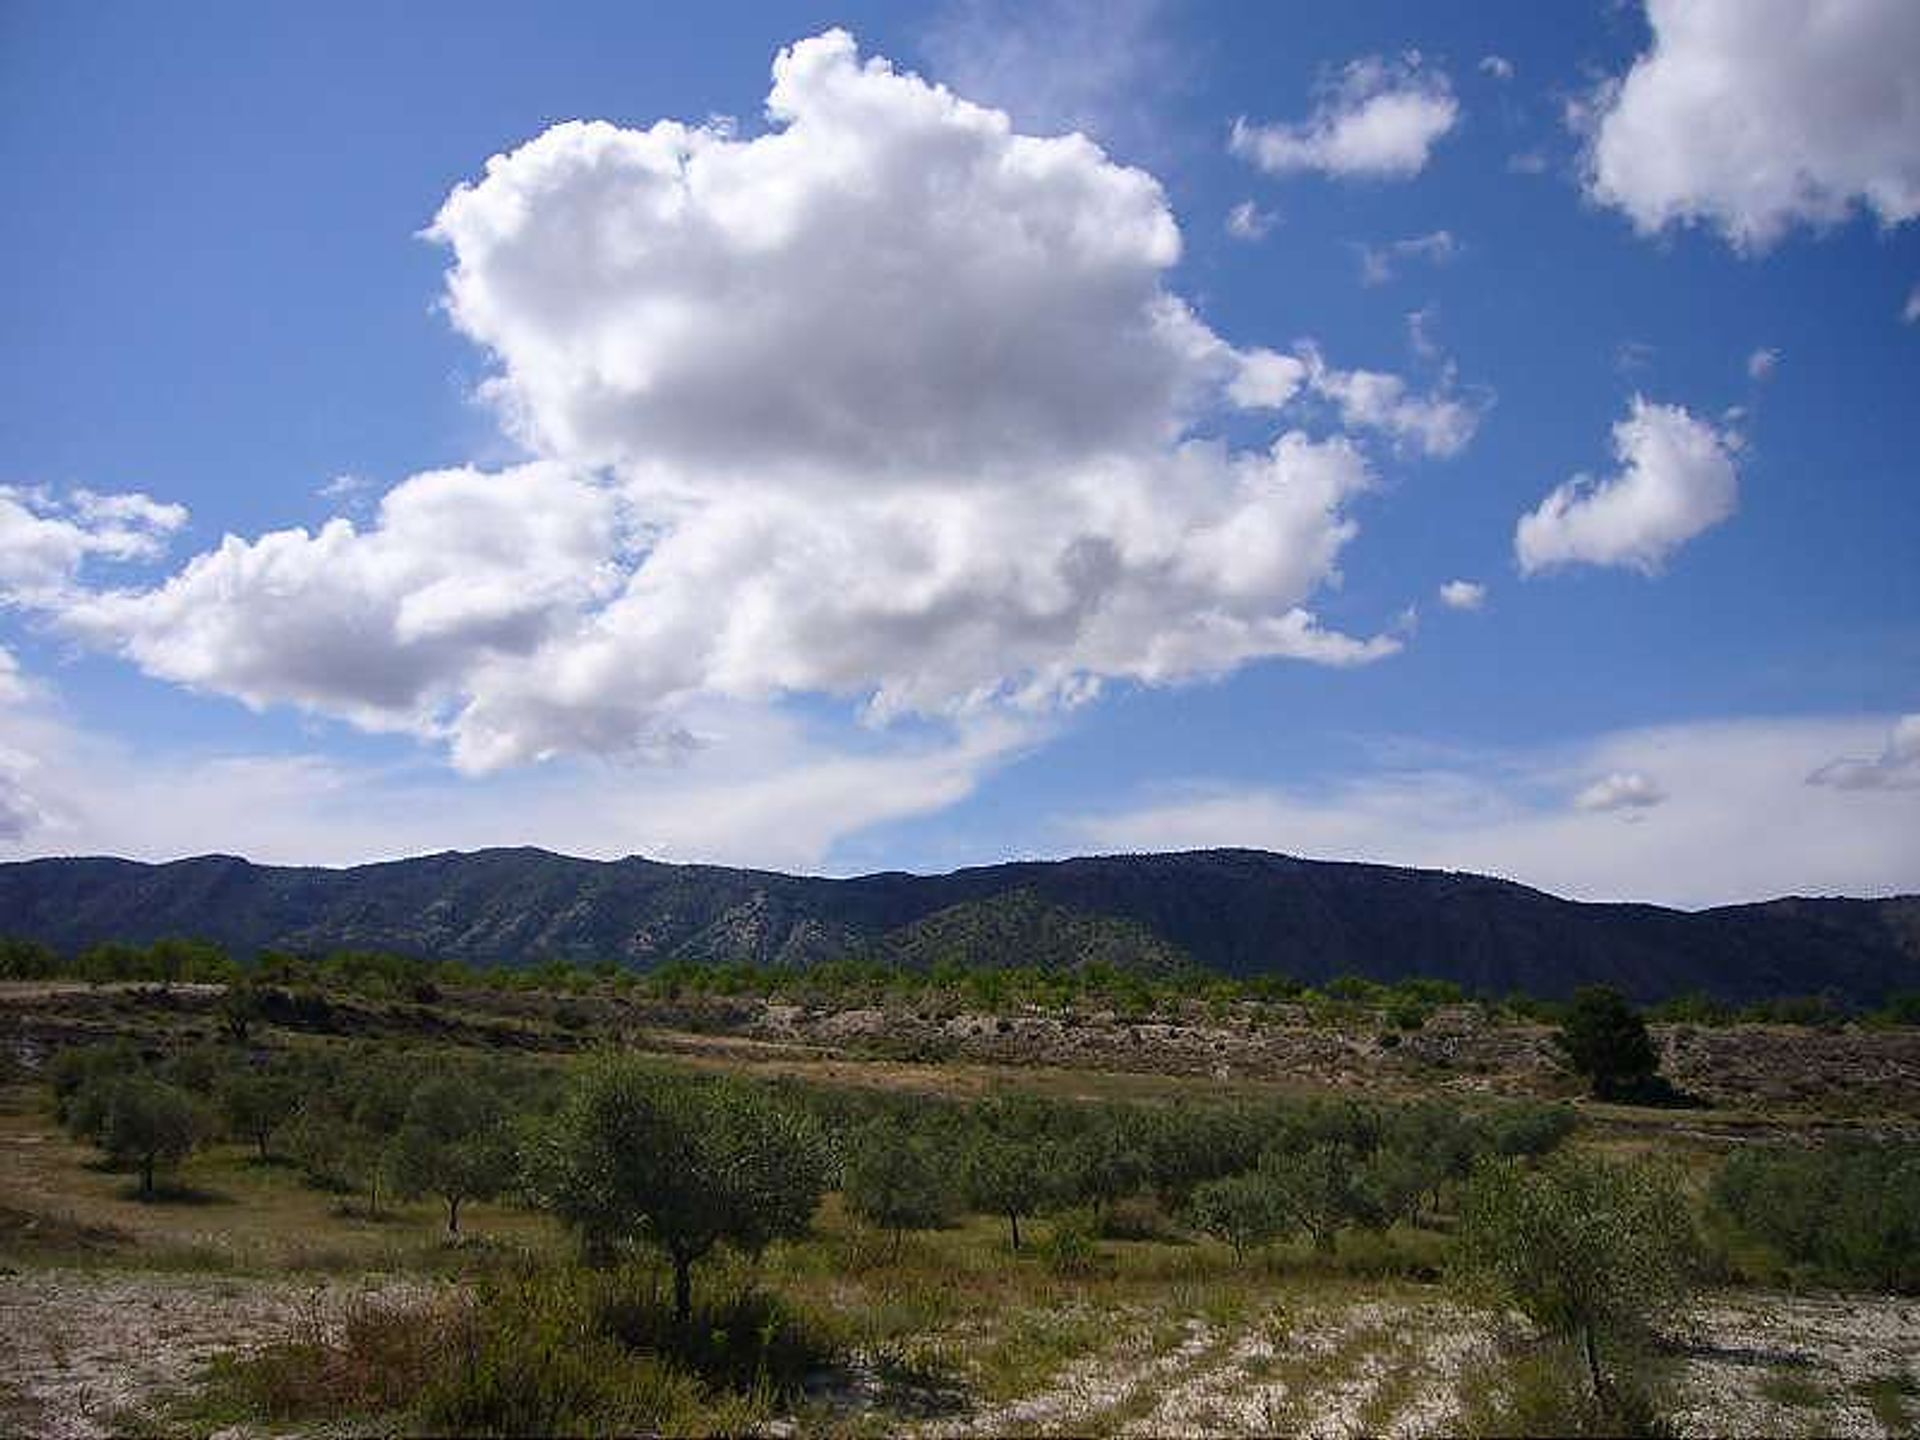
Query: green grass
[(1797, 1391), (1889, 1397)]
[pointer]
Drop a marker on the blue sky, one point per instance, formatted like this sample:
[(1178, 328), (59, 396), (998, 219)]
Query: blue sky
[(873, 483)]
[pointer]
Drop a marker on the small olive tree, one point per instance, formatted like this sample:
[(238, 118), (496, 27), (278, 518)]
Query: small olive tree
[(453, 1143), (148, 1124), (682, 1164), (893, 1181), (1588, 1249), (255, 1104), (1322, 1190), (1246, 1211), (1005, 1175)]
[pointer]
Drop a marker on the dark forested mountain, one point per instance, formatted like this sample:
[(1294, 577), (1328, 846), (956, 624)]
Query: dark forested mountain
[(1240, 911)]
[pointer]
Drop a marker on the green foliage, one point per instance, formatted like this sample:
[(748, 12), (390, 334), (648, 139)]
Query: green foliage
[(27, 959), (256, 1103), (1849, 1214), (893, 1180), (1322, 1190), (1005, 1175), (148, 1124), (1070, 1248), (1246, 1210), (1606, 1041), (454, 1143), (683, 1164), (1588, 1249), (526, 1359), (1544, 1389)]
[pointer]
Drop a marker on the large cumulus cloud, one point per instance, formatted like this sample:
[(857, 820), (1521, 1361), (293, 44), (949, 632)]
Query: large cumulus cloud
[(888, 402), (1755, 115)]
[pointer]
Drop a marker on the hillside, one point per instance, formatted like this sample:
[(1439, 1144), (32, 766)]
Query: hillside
[(1243, 912)]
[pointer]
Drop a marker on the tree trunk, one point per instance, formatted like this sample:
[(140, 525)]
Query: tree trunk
[(261, 1141), (1014, 1220), (1593, 1360), (894, 1253), (682, 1290), (453, 1215), (146, 1175)]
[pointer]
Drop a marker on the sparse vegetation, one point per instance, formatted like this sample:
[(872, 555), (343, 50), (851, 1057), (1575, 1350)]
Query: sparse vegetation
[(836, 1249)]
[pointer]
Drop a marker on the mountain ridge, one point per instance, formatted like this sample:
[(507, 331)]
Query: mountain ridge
[(1239, 911)]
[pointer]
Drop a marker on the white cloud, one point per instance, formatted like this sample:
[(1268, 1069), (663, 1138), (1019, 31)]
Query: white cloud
[(1436, 424), (1497, 66), (1762, 363), (1911, 312), (1676, 479), (1267, 380), (46, 541), (1378, 263), (1463, 595), (1756, 115), (1896, 768), (890, 403), (1379, 120), (1745, 827), (460, 570), (1622, 790), (766, 792), (1247, 221)]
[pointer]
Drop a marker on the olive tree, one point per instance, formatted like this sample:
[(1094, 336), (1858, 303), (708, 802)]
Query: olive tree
[(453, 1143), (683, 1164), (1244, 1210), (1322, 1190), (1588, 1249), (256, 1104), (893, 1181), (148, 1123), (1005, 1175)]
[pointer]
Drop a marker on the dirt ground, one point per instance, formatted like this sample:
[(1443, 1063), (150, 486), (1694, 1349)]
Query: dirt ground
[(86, 1353)]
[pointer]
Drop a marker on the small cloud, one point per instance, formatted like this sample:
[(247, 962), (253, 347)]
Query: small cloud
[(1420, 332), (1676, 480), (344, 487), (1897, 768), (1622, 790), (1528, 162), (1247, 221), (1378, 262), (1497, 66), (1911, 313), (1762, 363), (1378, 120), (1463, 595)]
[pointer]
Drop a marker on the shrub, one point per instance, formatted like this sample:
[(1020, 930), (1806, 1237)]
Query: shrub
[(1849, 1213)]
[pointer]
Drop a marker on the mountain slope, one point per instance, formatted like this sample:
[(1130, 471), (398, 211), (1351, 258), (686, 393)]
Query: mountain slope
[(1240, 911)]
